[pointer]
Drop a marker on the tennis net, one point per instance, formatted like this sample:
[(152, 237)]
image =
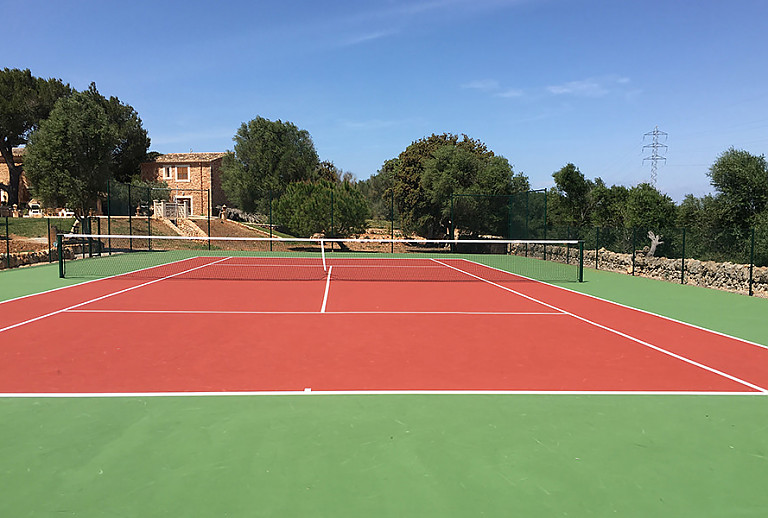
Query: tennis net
[(253, 258)]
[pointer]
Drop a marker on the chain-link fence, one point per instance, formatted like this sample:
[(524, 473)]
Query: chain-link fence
[(729, 258), (511, 216), (140, 212)]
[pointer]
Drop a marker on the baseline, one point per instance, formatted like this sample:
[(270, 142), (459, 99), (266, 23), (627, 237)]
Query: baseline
[(309, 392)]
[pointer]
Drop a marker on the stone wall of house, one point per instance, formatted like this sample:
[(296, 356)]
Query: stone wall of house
[(204, 177), (709, 274)]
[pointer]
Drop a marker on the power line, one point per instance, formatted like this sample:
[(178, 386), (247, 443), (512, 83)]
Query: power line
[(655, 146)]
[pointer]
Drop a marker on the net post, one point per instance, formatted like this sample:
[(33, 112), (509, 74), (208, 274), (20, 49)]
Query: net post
[(751, 261), (60, 251), (581, 261)]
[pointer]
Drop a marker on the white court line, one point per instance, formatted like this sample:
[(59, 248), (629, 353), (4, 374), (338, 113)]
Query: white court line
[(83, 283), (595, 297), (327, 287), (106, 296), (304, 392), (224, 312), (614, 331)]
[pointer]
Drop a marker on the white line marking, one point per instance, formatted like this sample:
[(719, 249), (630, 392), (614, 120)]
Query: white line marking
[(223, 312), (327, 287), (61, 395), (82, 283), (595, 297), (614, 331), (105, 296)]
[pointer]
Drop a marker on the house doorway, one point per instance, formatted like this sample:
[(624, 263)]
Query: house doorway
[(186, 201)]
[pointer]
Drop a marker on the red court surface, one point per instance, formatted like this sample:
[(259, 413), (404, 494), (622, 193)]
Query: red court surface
[(177, 335)]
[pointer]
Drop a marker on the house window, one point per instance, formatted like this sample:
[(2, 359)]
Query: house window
[(167, 173), (182, 173)]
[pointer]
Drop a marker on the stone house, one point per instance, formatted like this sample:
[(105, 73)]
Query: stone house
[(24, 195), (191, 176)]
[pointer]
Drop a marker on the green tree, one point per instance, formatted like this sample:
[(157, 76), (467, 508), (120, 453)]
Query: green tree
[(321, 207), (609, 204), (571, 200), (268, 155), (741, 181), (647, 208), (25, 100), (377, 190), (433, 168), (80, 146), (132, 140)]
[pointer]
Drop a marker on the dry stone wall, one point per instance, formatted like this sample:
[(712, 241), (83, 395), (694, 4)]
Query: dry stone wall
[(27, 258), (709, 274)]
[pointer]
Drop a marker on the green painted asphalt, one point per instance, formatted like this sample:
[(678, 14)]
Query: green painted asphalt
[(397, 456), (388, 456)]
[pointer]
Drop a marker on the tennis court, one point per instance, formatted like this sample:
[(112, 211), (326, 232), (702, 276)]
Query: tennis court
[(434, 343), (354, 324)]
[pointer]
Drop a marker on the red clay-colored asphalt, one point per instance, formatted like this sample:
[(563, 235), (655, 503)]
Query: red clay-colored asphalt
[(476, 335)]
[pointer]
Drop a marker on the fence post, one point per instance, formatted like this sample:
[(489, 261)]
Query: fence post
[(682, 261), (597, 245), (581, 261), (109, 218), (392, 222), (270, 221), (210, 209), (751, 261), (7, 245), (453, 227), (149, 219), (130, 220), (50, 244), (634, 248), (333, 234)]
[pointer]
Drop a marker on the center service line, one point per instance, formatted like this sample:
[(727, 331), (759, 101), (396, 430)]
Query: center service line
[(327, 287)]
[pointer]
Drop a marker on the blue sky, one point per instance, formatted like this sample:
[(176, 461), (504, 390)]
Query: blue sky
[(541, 82)]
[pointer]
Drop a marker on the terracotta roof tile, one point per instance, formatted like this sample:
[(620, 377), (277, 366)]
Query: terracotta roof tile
[(188, 157)]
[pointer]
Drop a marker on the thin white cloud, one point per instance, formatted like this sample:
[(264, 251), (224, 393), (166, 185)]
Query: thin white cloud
[(398, 15), (364, 38), (591, 87), (584, 88), (484, 85), (492, 87), (510, 93), (377, 124)]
